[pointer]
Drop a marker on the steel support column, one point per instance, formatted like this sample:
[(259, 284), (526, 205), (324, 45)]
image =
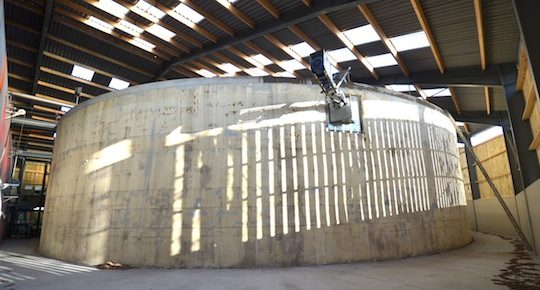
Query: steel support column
[(513, 161), (473, 176), (42, 195), (47, 19), (528, 160), (528, 20)]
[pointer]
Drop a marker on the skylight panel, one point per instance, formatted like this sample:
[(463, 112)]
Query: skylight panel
[(437, 92), (302, 49), (161, 32), (382, 60), (129, 28), (65, 109), (229, 68), (142, 44), (261, 59), (188, 13), (410, 41), (256, 72), (112, 8), (401, 88), (150, 9), (82, 73), (284, 74), (341, 55), (291, 65), (362, 35), (486, 135), (118, 84), (99, 24), (206, 73)]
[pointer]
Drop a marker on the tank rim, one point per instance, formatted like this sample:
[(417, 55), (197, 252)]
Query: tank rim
[(190, 82)]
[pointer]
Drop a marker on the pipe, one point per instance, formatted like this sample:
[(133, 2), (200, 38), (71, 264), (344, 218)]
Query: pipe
[(35, 123), (34, 98), (34, 154)]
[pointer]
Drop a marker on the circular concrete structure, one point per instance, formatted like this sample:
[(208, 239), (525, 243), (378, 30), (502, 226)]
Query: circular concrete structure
[(240, 172)]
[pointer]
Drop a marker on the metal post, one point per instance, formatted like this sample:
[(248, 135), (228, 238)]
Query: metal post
[(473, 177), (15, 209), (513, 159), (42, 196)]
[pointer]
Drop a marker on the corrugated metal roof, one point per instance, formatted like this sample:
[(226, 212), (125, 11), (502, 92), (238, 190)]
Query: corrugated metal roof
[(443, 102), (101, 47), (52, 79), (395, 17), (271, 48), (21, 54), (452, 23), (287, 37), (372, 48), (419, 59), (347, 19), (253, 10), (473, 99), (501, 31), (221, 13), (454, 28)]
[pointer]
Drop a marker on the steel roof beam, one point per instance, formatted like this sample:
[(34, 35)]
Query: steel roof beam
[(498, 118), (47, 20), (461, 77), (287, 18)]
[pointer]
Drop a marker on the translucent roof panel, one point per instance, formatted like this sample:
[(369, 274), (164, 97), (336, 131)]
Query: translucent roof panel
[(437, 92), (291, 65), (302, 49), (410, 41), (83, 73), (112, 8), (341, 55), (382, 60), (362, 35), (256, 72), (190, 14), (161, 32), (118, 84)]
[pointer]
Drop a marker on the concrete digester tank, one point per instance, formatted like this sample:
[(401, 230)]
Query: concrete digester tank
[(242, 172)]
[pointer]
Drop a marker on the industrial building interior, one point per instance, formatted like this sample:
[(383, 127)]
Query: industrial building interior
[(474, 59)]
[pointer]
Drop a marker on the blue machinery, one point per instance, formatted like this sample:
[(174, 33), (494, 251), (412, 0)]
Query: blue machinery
[(342, 110)]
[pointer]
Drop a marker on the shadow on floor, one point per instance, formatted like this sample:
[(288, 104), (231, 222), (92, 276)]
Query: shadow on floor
[(476, 266)]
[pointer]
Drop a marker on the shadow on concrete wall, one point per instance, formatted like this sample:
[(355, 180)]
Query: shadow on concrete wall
[(260, 193)]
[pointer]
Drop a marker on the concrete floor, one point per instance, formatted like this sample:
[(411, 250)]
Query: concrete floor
[(472, 267)]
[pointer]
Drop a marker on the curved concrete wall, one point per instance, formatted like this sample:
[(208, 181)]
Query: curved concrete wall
[(239, 172)]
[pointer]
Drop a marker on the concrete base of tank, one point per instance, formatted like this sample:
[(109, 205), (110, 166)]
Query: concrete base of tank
[(397, 237), (232, 173)]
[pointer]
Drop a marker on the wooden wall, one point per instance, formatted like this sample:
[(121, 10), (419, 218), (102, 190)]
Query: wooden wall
[(492, 154), (525, 83), (33, 173)]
